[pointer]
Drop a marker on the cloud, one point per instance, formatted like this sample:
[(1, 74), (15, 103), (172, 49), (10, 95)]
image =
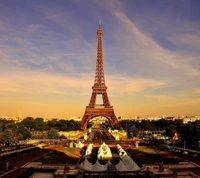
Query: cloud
[(190, 40), (185, 102), (159, 97), (5, 26), (148, 49), (38, 82), (120, 85), (22, 41), (30, 82), (52, 15), (34, 27), (197, 91), (62, 18)]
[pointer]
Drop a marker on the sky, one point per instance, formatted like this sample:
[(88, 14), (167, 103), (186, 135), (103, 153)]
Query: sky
[(48, 56)]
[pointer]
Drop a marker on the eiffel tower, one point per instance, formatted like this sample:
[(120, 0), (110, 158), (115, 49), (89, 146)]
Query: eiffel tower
[(99, 88)]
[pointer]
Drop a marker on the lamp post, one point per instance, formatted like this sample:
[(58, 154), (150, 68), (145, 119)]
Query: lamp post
[(184, 144)]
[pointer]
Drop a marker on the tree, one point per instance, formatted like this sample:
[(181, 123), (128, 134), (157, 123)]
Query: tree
[(185, 132), (125, 124), (7, 124), (62, 137), (132, 131), (169, 130), (53, 124), (146, 125), (53, 134), (29, 123), (25, 132), (162, 123), (39, 123), (197, 123), (8, 136)]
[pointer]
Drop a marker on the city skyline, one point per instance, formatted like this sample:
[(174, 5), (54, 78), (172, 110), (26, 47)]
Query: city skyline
[(48, 56)]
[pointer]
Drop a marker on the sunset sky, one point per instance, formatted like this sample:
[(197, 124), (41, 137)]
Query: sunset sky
[(48, 56)]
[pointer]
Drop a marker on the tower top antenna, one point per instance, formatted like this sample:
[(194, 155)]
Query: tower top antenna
[(99, 23)]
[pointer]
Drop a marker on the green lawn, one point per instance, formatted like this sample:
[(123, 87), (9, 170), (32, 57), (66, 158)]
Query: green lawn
[(144, 155)]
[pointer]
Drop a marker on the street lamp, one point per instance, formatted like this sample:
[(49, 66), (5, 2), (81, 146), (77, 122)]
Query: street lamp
[(184, 144)]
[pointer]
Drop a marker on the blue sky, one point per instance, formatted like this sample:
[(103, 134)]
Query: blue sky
[(48, 55)]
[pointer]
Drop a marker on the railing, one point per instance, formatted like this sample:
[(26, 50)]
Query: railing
[(99, 106), (16, 150)]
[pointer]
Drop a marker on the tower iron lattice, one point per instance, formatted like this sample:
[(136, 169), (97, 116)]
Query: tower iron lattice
[(99, 88)]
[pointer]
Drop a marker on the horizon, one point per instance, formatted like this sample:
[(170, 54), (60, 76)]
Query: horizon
[(151, 57), (119, 117)]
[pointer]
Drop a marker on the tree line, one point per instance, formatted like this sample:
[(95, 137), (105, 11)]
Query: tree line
[(189, 133), (11, 132)]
